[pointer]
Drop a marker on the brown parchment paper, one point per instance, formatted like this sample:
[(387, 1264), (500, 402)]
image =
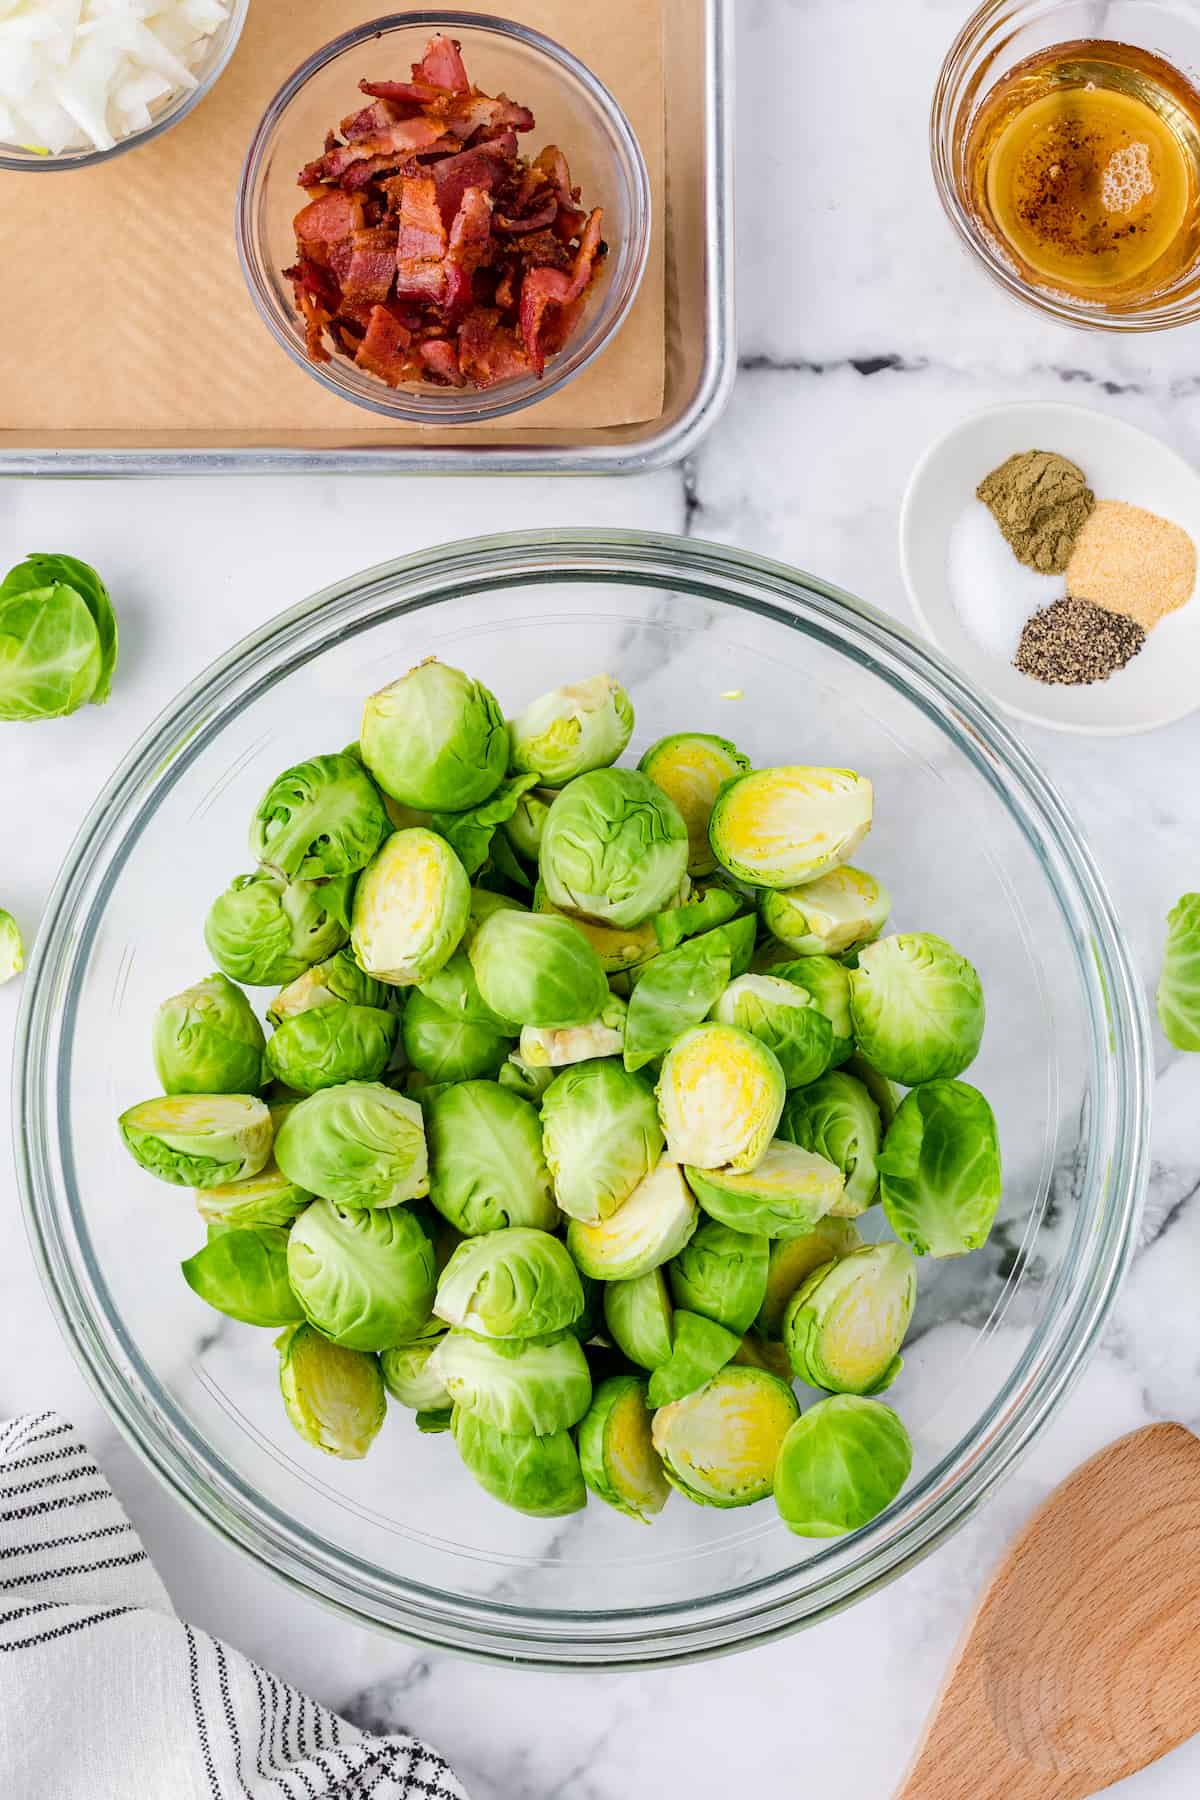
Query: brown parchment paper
[(135, 316)]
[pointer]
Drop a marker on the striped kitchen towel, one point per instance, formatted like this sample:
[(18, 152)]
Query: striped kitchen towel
[(106, 1695)]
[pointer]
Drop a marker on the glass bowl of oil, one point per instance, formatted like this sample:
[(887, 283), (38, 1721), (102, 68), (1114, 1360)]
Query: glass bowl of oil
[(1069, 163)]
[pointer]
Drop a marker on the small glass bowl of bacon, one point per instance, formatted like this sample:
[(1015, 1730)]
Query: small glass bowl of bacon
[(448, 254)]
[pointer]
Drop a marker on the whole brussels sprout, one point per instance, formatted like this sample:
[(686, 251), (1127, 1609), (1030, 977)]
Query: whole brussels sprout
[(365, 1279), (692, 766), (1178, 994), (534, 969), (720, 1094), (837, 912), (784, 1195), (827, 984), (208, 1041), (844, 1325), (878, 1086), (779, 827), (454, 989), (542, 1047), (649, 1228), (411, 907), (518, 1385), (721, 1443), (358, 1145), (793, 1259), (614, 847), (198, 1140), (337, 978), (263, 930), (940, 1169), (576, 728), (447, 1047), (58, 638), (619, 948), (524, 829), (602, 1136), (435, 739), (699, 1347), (785, 1018), (836, 1118), (408, 1378), (535, 1475), (488, 1167), (328, 1045), (243, 1273), (335, 1398), (12, 950), (722, 1274), (840, 1465), (511, 1283), (917, 1007), (322, 817), (637, 1317), (616, 1452)]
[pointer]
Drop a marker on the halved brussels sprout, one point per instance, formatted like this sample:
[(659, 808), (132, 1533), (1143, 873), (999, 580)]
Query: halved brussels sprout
[(878, 1086), (827, 983), (365, 1278), (447, 1047), (208, 1041), (337, 978), (616, 1453), (267, 1198), (408, 1378), (359, 1145), (601, 1135), (263, 930), (844, 1325), (677, 990), (917, 1007), (722, 1274), (779, 827), (198, 1140), (543, 1048), (520, 1385), (535, 969), (692, 766), (511, 1283), (328, 1045), (940, 1169), (720, 1095), (841, 1464), (784, 1195), (335, 1398), (720, 1444), (793, 1260), (837, 912), (583, 726), (637, 1317), (524, 1079), (435, 739), (837, 1118), (524, 829), (614, 847), (535, 1475), (649, 1228), (322, 817), (618, 948), (12, 949), (703, 910), (699, 1347), (488, 1167), (784, 1017), (244, 1274), (758, 1352), (411, 908), (1178, 994)]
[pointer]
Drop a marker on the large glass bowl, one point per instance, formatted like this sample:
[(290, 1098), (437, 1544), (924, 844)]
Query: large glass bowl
[(972, 841)]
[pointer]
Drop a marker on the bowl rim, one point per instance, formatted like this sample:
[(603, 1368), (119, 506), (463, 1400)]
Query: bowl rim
[(438, 406), (1103, 1232)]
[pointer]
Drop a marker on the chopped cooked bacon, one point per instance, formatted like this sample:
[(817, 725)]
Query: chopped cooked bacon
[(422, 233), (546, 287), (544, 214), (384, 350), (369, 121), (442, 65), (488, 351), (478, 112), (327, 220), (469, 247), (483, 167), (321, 283), (405, 138), (441, 361), (414, 93), (315, 321), (372, 265)]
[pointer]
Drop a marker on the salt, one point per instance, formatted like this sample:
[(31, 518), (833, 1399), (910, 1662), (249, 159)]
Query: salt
[(993, 593)]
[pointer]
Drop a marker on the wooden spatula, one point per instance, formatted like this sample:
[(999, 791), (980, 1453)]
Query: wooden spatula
[(1082, 1662)]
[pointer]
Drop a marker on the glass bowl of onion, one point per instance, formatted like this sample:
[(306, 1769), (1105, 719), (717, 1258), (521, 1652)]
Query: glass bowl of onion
[(82, 83)]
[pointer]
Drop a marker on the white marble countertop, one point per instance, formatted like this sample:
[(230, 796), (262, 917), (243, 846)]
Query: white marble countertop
[(862, 335)]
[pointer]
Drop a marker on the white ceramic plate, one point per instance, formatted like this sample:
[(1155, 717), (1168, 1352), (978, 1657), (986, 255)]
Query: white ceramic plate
[(1161, 683)]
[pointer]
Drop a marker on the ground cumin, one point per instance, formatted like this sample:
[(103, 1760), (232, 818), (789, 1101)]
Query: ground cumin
[(1041, 502)]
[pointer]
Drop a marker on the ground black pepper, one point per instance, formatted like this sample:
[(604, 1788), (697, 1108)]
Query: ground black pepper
[(1075, 642)]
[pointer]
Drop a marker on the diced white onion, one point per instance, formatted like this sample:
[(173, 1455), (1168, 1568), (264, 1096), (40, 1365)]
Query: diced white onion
[(80, 74)]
